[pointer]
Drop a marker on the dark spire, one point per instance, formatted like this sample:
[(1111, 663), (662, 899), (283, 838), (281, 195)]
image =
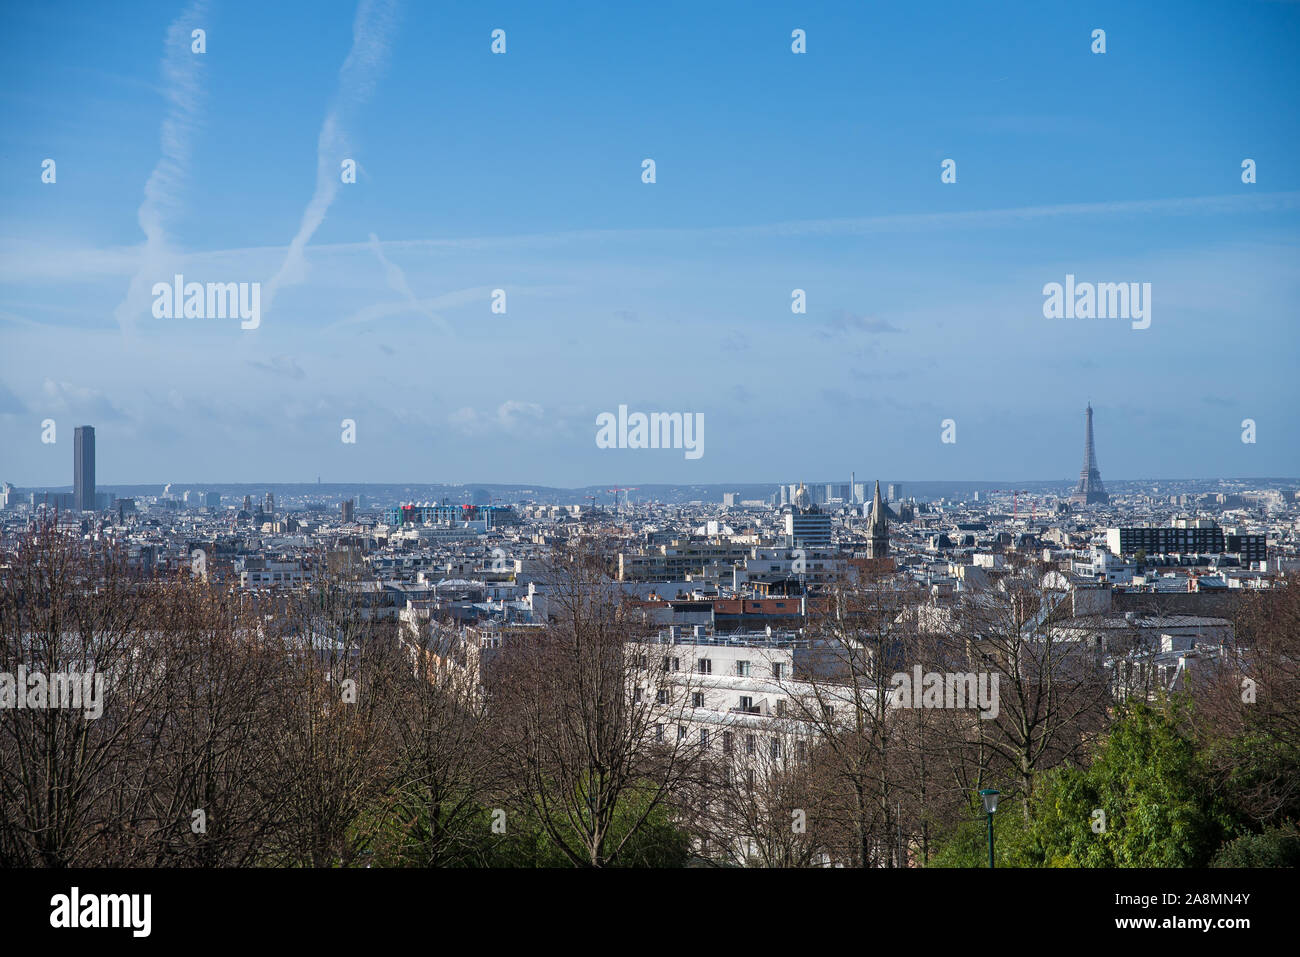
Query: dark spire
[(878, 542)]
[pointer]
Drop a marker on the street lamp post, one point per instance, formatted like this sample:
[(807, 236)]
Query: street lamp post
[(990, 796)]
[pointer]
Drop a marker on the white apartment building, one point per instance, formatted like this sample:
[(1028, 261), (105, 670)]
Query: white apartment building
[(740, 692), (813, 565), (1102, 563), (274, 573)]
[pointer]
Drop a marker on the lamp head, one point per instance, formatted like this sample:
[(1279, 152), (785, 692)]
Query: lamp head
[(990, 796)]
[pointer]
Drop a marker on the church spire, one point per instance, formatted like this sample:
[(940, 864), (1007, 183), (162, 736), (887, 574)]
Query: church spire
[(878, 543)]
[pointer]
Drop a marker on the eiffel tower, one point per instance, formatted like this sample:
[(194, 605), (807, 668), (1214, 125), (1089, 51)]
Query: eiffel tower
[(1089, 491)]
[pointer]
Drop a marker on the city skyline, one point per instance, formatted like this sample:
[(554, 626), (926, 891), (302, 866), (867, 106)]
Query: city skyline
[(1085, 490), (477, 172), (517, 438)]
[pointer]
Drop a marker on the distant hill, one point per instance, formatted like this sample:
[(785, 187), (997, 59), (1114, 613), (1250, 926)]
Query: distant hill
[(485, 492)]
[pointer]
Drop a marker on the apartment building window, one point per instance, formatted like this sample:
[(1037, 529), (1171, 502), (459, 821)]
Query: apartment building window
[(776, 748), (636, 695), (672, 664), (681, 732), (704, 666), (659, 732), (749, 777), (751, 744), (801, 750), (780, 707), (746, 704), (742, 668), (704, 739), (727, 742), (662, 696), (778, 670), (697, 699)]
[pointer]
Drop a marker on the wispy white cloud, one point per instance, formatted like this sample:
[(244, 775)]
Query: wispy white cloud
[(371, 34), (7, 316), (283, 366), (182, 70), (79, 400), (1243, 203), (21, 262), (25, 262), (425, 307), (511, 417), (10, 404), (845, 324), (397, 282)]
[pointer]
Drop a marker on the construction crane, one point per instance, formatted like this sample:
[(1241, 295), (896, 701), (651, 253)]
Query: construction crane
[(1015, 494), (618, 488)]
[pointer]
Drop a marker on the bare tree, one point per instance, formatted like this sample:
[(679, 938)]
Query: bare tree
[(201, 754), (444, 764), (333, 760), (1052, 691), (591, 745), (67, 612), (759, 803), (840, 690), (1245, 707)]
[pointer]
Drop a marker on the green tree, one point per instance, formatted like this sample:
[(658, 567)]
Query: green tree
[(1013, 841), (648, 838), (1144, 802), (1276, 847)]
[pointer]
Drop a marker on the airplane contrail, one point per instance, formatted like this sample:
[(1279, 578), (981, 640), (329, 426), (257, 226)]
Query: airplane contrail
[(371, 34), (182, 70)]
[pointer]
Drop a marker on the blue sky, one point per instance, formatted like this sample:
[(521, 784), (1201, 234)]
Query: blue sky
[(522, 171)]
